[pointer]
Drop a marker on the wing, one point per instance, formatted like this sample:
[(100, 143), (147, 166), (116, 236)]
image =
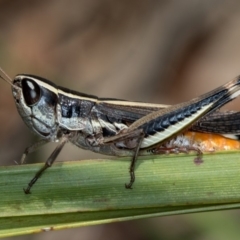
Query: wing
[(224, 123)]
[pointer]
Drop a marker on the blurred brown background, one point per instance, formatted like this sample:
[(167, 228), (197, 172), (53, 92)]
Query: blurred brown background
[(152, 51)]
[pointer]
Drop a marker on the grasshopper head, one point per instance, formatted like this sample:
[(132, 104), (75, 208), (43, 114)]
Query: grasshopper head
[(36, 100)]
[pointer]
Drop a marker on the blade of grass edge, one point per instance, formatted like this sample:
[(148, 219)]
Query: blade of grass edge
[(88, 192)]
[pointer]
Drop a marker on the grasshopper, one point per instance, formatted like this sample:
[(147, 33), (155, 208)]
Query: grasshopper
[(117, 127)]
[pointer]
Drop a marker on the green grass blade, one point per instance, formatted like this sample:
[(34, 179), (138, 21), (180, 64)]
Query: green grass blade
[(91, 192)]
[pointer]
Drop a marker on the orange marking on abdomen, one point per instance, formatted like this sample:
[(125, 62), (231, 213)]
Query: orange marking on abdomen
[(209, 142)]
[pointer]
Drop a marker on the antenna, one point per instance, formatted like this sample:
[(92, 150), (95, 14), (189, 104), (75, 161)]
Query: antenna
[(7, 78)]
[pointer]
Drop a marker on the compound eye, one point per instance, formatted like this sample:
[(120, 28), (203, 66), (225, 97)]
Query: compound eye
[(31, 92)]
